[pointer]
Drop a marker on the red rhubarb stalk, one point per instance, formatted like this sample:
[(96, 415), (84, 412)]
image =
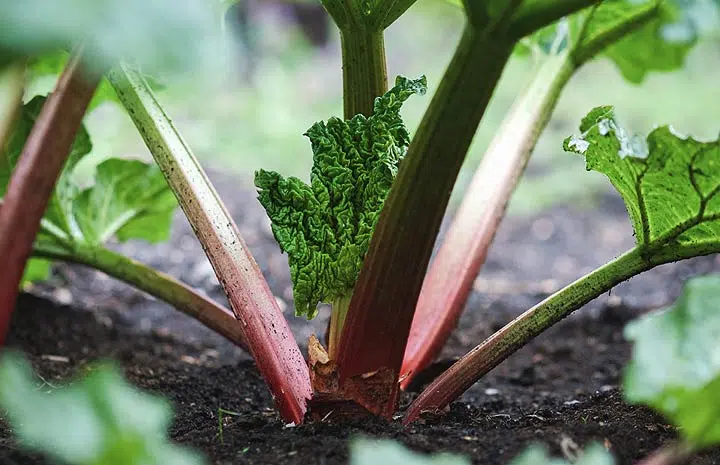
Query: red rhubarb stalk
[(266, 330), (450, 278), (34, 177)]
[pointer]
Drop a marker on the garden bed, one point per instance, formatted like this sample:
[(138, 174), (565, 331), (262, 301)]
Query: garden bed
[(561, 390)]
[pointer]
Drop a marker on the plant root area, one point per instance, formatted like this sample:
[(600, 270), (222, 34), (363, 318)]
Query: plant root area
[(562, 390)]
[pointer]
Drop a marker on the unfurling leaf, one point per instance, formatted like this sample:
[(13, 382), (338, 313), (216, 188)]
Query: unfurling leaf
[(670, 183), (675, 366), (99, 420), (325, 227), (128, 200)]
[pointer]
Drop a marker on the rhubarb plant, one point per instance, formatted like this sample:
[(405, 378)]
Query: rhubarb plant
[(361, 233)]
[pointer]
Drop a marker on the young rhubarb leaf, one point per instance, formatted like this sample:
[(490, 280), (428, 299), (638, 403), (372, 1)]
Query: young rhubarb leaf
[(325, 227), (371, 452), (675, 366), (128, 200), (99, 420), (670, 183)]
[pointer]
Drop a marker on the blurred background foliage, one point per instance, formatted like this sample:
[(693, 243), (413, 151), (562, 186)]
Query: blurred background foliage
[(282, 72)]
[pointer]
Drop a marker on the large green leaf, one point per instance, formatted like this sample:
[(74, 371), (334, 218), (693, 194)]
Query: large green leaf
[(375, 452), (325, 227), (670, 183), (158, 32), (100, 420), (128, 200), (675, 366)]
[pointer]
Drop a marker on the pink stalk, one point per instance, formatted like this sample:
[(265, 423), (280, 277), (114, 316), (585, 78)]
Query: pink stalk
[(267, 333), (35, 175), (449, 281)]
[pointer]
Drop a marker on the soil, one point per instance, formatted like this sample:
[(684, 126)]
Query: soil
[(562, 390)]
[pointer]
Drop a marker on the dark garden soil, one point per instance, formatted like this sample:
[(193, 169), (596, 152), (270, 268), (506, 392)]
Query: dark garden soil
[(561, 390)]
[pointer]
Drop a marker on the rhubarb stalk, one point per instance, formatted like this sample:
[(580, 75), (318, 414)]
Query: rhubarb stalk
[(155, 283), (463, 251), (381, 309), (267, 333), (490, 353), (12, 86), (34, 177)]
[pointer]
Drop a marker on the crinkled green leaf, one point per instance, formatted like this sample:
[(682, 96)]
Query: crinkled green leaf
[(595, 454), (128, 200), (99, 420), (325, 227), (154, 33), (675, 366), (670, 183), (375, 452)]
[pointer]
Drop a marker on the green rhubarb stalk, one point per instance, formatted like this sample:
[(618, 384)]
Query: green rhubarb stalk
[(340, 307), (12, 86), (155, 283), (536, 14), (364, 69), (513, 336), (266, 330)]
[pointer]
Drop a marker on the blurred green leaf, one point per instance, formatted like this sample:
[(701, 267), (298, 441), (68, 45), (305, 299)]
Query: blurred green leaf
[(99, 420), (675, 366), (128, 200), (53, 63), (595, 454), (387, 452), (163, 33), (660, 43)]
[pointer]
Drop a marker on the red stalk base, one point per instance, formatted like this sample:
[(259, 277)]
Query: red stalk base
[(34, 178)]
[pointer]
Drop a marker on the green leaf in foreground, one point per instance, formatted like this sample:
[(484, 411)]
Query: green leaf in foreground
[(595, 454), (670, 183), (99, 420), (675, 366), (128, 200), (158, 33), (325, 227), (374, 452)]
